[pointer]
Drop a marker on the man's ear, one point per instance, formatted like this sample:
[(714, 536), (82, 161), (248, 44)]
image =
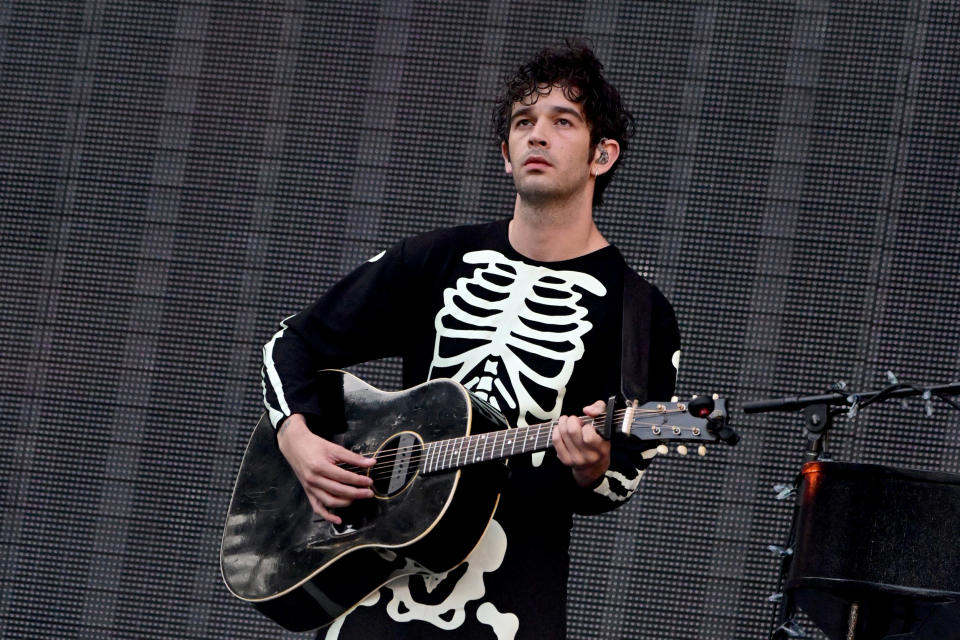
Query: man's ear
[(612, 149), (505, 151)]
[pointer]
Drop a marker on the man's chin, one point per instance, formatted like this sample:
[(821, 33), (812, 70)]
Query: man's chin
[(540, 194)]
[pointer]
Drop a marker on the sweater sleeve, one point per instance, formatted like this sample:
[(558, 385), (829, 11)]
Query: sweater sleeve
[(356, 320), (629, 458)]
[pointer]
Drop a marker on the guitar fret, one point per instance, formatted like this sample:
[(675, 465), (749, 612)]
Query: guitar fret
[(466, 450)]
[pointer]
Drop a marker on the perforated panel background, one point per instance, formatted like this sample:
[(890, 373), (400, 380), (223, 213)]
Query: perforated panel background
[(177, 177)]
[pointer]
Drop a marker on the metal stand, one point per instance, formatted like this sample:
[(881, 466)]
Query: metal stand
[(865, 605), (852, 621)]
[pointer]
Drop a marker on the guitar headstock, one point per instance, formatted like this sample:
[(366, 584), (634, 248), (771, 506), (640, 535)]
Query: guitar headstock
[(699, 421)]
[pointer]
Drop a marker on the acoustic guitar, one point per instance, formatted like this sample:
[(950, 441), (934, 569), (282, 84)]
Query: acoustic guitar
[(440, 454)]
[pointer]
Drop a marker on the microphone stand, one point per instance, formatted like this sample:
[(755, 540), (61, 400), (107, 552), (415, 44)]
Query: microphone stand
[(818, 415), (818, 412)]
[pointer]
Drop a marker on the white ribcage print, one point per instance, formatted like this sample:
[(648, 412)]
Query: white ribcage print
[(512, 333)]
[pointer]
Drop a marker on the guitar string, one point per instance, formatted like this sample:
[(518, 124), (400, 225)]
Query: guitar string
[(544, 425), (384, 462), (382, 468), (619, 413)]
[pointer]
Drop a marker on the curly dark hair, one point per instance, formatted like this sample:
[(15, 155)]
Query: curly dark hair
[(575, 69)]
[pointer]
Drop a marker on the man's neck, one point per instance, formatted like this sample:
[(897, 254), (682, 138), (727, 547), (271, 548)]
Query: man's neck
[(555, 232)]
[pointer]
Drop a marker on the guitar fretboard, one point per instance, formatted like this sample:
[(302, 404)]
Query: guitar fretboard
[(454, 453)]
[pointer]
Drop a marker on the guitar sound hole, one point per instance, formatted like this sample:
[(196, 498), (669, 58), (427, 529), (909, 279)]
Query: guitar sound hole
[(398, 462)]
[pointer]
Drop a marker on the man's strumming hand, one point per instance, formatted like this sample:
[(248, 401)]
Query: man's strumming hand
[(317, 464)]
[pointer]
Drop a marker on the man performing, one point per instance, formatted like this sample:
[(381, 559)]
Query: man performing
[(529, 314)]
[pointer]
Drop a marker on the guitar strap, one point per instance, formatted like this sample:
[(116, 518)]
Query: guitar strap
[(634, 337)]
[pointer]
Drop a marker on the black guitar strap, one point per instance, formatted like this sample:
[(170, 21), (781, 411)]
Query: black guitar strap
[(634, 337)]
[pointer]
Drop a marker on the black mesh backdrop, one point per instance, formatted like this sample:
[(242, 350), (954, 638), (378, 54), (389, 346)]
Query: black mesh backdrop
[(177, 177)]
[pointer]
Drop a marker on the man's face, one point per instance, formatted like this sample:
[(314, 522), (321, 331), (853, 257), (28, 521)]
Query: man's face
[(549, 148)]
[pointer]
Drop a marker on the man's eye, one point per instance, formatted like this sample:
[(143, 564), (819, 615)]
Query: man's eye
[(523, 122), (563, 121)]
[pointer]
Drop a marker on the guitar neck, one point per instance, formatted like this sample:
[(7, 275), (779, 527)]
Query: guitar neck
[(653, 422), (454, 453)]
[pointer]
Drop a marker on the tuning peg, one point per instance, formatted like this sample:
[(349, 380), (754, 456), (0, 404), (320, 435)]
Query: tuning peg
[(780, 551), (682, 449), (702, 450), (662, 449), (675, 399), (927, 404), (775, 597), (716, 396)]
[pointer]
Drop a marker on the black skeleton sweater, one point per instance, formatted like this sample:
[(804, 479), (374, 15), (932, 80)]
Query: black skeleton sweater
[(536, 340)]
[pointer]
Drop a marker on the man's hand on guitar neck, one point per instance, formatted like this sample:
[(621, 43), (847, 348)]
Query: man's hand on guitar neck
[(316, 463), (581, 447)]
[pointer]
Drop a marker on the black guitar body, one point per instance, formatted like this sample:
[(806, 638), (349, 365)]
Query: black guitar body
[(303, 572)]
